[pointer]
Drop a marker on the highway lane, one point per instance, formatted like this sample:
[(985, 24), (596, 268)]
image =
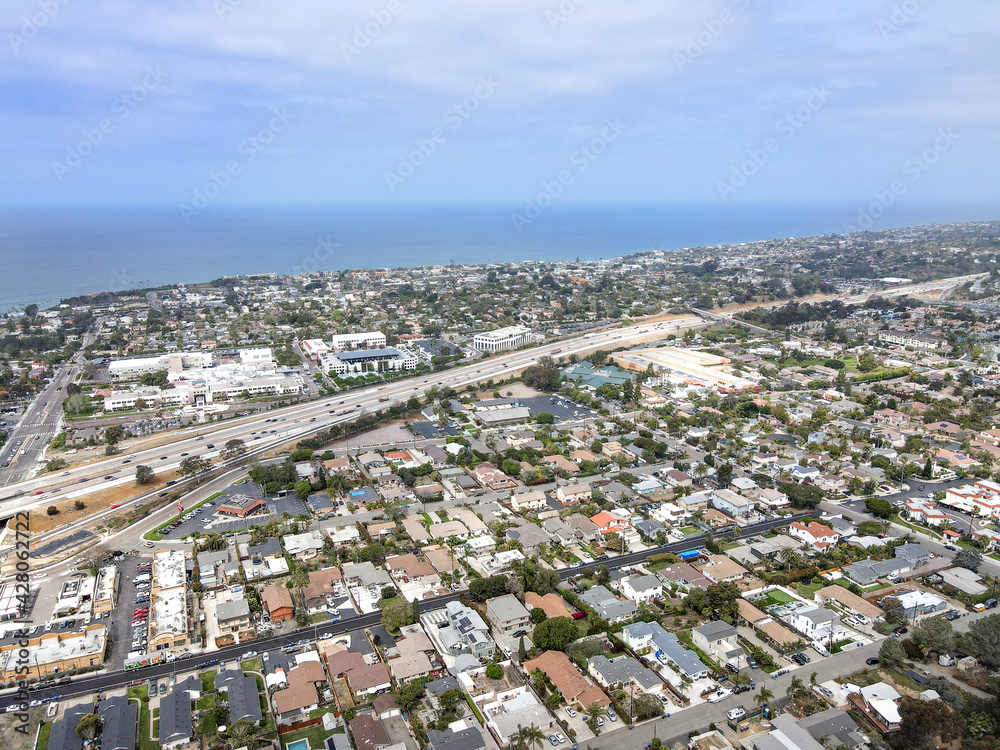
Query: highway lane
[(42, 419), (108, 681), (292, 423), (371, 398)]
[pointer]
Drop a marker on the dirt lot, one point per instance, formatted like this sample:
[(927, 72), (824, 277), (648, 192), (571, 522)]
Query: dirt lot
[(10, 739)]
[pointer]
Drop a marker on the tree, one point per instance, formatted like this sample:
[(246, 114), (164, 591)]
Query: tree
[(388, 592), (194, 465), (969, 558), (555, 634), (614, 541), (763, 696), (722, 598), (233, 449), (396, 614), (879, 507), (594, 712), (494, 671), (486, 588), (933, 635), (143, 475), (544, 417), (303, 488), (538, 616), (795, 688), (52, 511), (894, 611), (545, 581), (522, 650), (926, 724), (803, 496), (89, 727), (891, 652), (78, 505), (510, 467), (114, 435), (525, 737), (602, 576), (983, 640), (408, 695), (724, 474)]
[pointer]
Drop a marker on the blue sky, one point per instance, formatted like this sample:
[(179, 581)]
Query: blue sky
[(289, 101)]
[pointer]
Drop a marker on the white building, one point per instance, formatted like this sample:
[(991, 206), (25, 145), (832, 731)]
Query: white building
[(369, 360), (367, 339), (502, 339)]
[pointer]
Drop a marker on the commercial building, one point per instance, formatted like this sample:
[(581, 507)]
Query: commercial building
[(366, 339), (106, 590), (684, 367), (54, 652), (241, 505), (502, 339), (363, 361), (168, 622)]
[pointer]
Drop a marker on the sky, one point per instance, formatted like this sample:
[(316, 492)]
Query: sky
[(397, 101)]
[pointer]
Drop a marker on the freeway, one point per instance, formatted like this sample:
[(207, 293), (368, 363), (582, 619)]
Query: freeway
[(279, 427), (25, 445), (106, 681), (295, 422)]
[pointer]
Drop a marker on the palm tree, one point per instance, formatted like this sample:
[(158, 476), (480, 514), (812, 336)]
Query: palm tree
[(763, 696), (795, 688), (594, 711), (528, 736), (812, 678)]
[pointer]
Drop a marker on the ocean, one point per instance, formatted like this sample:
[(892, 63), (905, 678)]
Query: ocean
[(49, 254)]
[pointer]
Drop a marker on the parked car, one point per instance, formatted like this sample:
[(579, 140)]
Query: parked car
[(872, 661)]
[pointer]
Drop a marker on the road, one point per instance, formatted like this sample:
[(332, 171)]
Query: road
[(21, 496), (119, 679), (41, 421), (280, 427)]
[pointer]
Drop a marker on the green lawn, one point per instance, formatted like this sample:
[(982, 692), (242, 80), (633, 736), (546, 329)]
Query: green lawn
[(252, 665), (316, 736), (690, 530), (807, 591), (839, 646), (43, 736), (207, 681)]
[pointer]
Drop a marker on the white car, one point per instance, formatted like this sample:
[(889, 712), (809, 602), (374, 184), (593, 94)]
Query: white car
[(720, 695), (736, 714)]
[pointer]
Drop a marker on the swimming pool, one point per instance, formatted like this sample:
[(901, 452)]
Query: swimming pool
[(299, 745)]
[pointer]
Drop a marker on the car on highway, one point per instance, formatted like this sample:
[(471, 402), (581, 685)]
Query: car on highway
[(110, 477)]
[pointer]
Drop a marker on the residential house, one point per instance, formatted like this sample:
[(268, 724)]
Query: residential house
[(817, 535), (717, 639), (623, 672), (642, 588), (607, 605), (668, 649), (573, 494), (574, 687), (507, 614), (277, 600)]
